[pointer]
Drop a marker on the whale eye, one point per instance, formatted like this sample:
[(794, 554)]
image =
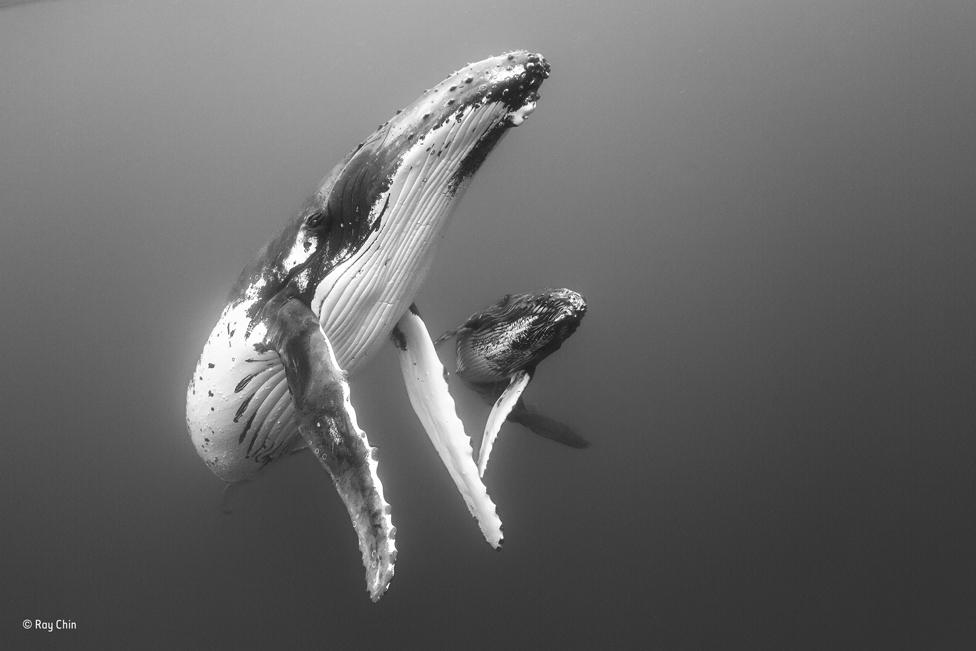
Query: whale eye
[(315, 219)]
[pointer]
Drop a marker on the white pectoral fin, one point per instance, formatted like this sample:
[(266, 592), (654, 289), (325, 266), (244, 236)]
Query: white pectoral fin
[(499, 412), (423, 375)]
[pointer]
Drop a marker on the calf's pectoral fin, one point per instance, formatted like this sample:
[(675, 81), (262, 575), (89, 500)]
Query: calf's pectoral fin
[(423, 375), (499, 412), (542, 425), (327, 423)]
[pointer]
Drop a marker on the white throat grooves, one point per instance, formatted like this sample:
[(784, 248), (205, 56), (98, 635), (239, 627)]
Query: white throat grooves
[(360, 300)]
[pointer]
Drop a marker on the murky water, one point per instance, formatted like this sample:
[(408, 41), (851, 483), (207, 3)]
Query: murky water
[(768, 205)]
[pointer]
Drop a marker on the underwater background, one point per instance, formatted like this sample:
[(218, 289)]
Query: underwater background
[(768, 205)]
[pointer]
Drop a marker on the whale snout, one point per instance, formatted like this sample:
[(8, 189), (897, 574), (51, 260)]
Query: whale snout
[(537, 70), (565, 305), (530, 68), (513, 79), (487, 96)]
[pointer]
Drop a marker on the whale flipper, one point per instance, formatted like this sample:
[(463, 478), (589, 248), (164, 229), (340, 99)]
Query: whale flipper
[(499, 412), (549, 428), (327, 423), (423, 375)]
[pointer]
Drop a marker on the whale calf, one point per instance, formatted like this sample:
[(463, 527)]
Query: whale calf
[(498, 350)]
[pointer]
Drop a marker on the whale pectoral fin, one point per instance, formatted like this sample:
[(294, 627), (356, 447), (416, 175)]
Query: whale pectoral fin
[(499, 412), (542, 425), (423, 375), (327, 423)]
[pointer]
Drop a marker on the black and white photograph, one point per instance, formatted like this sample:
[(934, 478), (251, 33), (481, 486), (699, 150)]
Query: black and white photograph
[(483, 324)]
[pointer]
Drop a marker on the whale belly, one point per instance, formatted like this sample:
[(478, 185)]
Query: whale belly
[(239, 410)]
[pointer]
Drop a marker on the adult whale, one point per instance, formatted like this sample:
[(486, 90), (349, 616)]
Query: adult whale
[(319, 299)]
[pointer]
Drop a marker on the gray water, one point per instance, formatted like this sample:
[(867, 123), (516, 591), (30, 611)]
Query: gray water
[(768, 205)]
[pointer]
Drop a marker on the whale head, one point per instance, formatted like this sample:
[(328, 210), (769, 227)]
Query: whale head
[(516, 334), (385, 206)]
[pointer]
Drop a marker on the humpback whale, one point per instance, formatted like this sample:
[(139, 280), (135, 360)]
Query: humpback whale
[(498, 350), (319, 299)]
